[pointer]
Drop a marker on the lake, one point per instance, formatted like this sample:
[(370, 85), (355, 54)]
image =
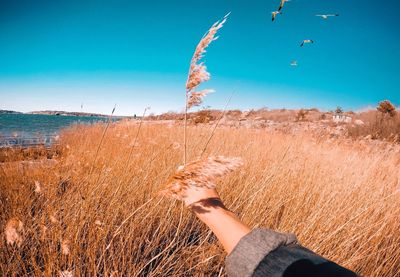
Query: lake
[(33, 129)]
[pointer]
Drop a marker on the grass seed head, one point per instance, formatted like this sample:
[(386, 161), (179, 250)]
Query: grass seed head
[(66, 273), (201, 173), (38, 187), (14, 232), (65, 249), (198, 71)]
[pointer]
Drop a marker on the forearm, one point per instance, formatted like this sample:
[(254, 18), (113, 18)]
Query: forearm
[(258, 252), (225, 225)]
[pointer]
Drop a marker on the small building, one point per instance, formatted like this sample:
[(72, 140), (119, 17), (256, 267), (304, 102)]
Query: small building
[(341, 118)]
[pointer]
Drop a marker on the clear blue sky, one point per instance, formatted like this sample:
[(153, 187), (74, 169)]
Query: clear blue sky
[(59, 54)]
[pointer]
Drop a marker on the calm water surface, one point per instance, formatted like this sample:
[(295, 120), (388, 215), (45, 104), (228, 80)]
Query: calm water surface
[(32, 129)]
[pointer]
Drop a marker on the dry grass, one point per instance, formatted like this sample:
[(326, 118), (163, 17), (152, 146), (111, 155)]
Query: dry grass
[(11, 154), (378, 126), (103, 218), (280, 115)]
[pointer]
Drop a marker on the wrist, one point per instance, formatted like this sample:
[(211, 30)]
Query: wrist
[(208, 206), (196, 196), (226, 226)]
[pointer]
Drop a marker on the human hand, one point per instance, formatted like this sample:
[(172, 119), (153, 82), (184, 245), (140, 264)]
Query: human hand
[(192, 195)]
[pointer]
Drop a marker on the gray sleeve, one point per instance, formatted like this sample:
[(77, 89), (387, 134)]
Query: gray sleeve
[(252, 249)]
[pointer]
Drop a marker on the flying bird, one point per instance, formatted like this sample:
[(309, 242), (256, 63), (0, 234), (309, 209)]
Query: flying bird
[(293, 63), (306, 41), (282, 3), (325, 16), (274, 14)]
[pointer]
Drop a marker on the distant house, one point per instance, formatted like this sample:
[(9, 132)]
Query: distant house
[(341, 118)]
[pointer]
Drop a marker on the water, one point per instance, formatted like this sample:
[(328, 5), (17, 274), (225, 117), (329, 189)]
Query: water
[(33, 129)]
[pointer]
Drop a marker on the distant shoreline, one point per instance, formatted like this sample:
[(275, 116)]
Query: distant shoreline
[(30, 129), (61, 113), (64, 113), (9, 112)]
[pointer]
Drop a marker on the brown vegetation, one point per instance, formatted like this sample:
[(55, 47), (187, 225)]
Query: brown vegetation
[(377, 125), (97, 213), (301, 115), (387, 108), (10, 154), (280, 115), (382, 123)]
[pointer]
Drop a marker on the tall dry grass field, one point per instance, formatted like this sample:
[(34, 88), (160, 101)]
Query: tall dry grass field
[(378, 126), (96, 210)]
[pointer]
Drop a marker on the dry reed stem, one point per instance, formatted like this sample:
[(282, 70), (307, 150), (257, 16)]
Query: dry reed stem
[(198, 74), (216, 125)]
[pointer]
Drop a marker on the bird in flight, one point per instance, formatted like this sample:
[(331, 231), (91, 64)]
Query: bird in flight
[(274, 14), (306, 41), (326, 16), (282, 3), (293, 63)]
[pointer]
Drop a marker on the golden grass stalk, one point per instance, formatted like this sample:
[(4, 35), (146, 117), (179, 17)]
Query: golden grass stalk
[(200, 173), (198, 73), (215, 126), (102, 138), (43, 232)]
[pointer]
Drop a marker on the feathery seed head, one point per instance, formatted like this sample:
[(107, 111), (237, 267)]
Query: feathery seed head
[(65, 273), (98, 222), (53, 219), (65, 247), (198, 71), (196, 97), (38, 188), (13, 231), (200, 173)]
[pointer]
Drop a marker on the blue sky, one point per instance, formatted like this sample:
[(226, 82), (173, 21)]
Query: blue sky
[(59, 54)]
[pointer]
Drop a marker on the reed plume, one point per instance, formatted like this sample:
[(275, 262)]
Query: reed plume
[(13, 231), (198, 73), (38, 187), (196, 97), (200, 173), (98, 223), (66, 273), (65, 249)]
